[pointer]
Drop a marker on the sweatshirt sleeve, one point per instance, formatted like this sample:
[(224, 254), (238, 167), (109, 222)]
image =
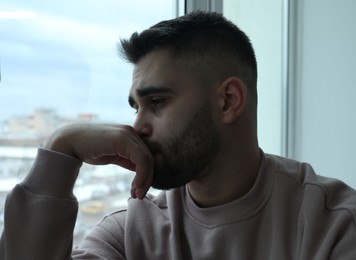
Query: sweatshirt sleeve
[(41, 211)]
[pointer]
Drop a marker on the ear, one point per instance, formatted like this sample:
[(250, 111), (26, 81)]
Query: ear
[(232, 98)]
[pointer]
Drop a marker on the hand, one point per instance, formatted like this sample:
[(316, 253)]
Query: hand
[(100, 144)]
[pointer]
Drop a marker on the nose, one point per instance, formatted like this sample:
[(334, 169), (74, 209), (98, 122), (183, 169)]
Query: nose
[(142, 125)]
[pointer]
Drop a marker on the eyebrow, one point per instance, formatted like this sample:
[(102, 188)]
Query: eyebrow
[(146, 91)]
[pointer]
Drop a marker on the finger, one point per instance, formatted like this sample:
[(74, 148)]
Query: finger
[(125, 163), (133, 190), (140, 193), (144, 174)]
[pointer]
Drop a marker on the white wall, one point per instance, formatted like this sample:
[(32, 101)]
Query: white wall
[(325, 126)]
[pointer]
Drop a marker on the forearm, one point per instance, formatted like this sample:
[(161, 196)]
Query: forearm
[(40, 212)]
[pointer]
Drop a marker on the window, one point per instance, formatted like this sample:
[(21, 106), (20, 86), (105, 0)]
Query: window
[(264, 24), (59, 65)]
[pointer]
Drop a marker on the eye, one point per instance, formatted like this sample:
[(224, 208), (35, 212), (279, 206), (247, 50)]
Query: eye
[(157, 102), (135, 108)]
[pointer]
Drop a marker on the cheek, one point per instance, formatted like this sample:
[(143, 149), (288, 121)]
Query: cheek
[(165, 128), (173, 120)]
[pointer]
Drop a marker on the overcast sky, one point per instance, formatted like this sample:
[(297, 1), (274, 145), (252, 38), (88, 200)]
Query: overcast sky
[(63, 55)]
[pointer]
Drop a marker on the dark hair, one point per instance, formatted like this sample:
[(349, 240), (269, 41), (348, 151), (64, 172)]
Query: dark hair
[(204, 42)]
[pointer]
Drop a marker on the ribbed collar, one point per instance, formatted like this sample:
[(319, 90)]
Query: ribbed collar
[(239, 210)]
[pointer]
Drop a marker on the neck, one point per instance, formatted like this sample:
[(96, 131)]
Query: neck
[(228, 180)]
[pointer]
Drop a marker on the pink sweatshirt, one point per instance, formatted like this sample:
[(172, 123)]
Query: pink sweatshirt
[(290, 213)]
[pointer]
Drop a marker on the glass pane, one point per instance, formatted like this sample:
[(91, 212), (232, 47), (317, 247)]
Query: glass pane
[(59, 64), (266, 34)]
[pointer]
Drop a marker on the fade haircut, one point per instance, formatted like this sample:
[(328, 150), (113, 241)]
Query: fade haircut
[(203, 43)]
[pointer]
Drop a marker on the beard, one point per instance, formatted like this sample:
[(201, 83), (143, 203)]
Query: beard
[(186, 154)]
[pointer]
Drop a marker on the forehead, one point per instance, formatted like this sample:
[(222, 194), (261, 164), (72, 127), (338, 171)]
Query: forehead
[(151, 70), (158, 72)]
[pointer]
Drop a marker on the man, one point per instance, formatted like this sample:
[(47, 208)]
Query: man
[(195, 137)]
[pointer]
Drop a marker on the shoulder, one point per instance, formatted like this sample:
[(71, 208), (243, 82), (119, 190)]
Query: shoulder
[(154, 205), (114, 222), (150, 205), (335, 195)]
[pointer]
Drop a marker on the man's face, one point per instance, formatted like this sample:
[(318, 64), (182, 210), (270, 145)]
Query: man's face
[(174, 118)]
